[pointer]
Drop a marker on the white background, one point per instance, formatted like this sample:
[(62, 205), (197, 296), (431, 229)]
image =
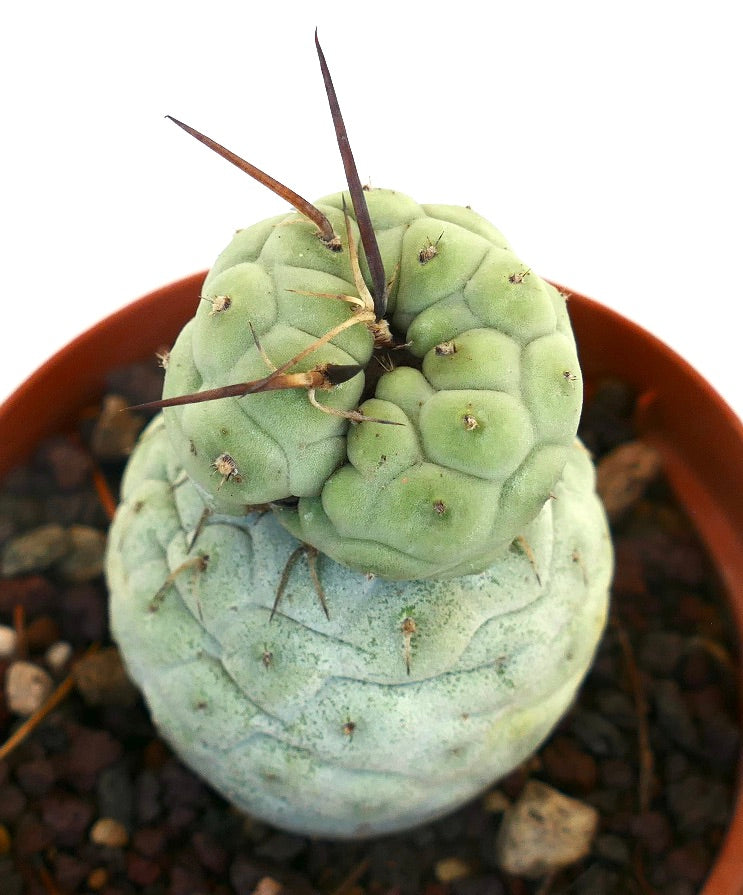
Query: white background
[(603, 139)]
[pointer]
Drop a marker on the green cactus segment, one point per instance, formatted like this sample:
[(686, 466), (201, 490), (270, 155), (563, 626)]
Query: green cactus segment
[(485, 434), (408, 700), (280, 444), (481, 359), (488, 392), (471, 470)]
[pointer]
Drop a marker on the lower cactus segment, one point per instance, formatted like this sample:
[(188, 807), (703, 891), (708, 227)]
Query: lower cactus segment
[(408, 700)]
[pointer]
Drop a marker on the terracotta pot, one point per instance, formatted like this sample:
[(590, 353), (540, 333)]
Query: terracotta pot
[(701, 439)]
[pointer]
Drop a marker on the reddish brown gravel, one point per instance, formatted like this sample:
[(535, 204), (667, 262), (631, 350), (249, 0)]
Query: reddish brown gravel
[(93, 802)]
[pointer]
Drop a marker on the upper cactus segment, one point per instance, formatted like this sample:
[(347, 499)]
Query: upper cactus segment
[(486, 394)]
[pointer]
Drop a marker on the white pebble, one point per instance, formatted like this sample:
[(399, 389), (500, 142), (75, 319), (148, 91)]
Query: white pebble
[(543, 831), (26, 687), (58, 655), (8, 640)]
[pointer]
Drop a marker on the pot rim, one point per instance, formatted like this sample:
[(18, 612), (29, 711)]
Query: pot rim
[(679, 412)]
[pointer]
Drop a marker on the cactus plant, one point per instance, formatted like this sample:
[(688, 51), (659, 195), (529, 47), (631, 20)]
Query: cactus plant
[(406, 417)]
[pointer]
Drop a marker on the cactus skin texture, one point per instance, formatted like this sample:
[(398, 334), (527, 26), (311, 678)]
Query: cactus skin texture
[(408, 700), (489, 396)]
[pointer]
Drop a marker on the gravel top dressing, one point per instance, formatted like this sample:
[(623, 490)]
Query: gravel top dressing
[(634, 787)]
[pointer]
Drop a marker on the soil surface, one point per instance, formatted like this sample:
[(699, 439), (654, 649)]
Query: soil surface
[(91, 801)]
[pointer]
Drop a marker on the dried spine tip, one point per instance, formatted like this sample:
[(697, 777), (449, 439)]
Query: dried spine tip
[(311, 553), (524, 547), (163, 357), (379, 328), (348, 728), (445, 349), (219, 303), (198, 563), (408, 629), (440, 507), (578, 560), (267, 658), (429, 250), (349, 299), (225, 466), (327, 235), (261, 350), (355, 416), (470, 422), (519, 277), (288, 566), (570, 377), (205, 514), (312, 563), (385, 362)]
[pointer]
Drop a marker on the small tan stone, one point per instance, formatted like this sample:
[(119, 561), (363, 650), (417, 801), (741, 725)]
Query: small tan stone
[(35, 550), (543, 831), (109, 832), (83, 561), (101, 679), (27, 687), (623, 475), (8, 641), (448, 869), (116, 430)]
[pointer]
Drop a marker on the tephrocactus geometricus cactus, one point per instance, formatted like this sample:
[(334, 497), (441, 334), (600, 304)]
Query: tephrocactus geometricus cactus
[(389, 382)]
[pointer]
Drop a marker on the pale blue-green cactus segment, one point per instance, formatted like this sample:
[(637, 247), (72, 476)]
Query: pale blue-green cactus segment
[(487, 394), (407, 701)]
